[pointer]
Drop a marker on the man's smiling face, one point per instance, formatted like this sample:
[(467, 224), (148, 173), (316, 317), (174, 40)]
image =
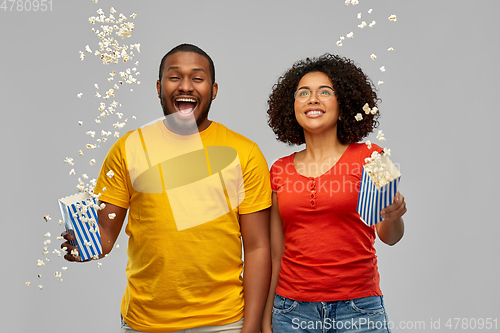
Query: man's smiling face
[(186, 91)]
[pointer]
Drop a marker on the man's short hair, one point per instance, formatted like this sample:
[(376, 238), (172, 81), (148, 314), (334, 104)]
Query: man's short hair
[(188, 48)]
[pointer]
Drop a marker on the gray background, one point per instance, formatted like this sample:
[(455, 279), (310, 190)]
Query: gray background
[(439, 115)]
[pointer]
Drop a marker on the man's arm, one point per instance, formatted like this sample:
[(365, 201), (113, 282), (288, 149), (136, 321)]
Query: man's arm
[(257, 267), (108, 228), (277, 249)]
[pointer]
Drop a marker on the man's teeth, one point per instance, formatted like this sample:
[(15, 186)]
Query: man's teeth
[(191, 100), (314, 112)]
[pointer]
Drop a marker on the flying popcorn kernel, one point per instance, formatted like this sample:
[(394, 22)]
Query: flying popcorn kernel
[(362, 25), (370, 11), (359, 16), (117, 246), (47, 218), (40, 263), (387, 152), (358, 117), (79, 95), (112, 216), (374, 110), (40, 287), (61, 222), (350, 35), (380, 82), (339, 43), (390, 49), (64, 248), (69, 160), (64, 268), (382, 69), (28, 283), (373, 56), (110, 174), (99, 264), (47, 234), (347, 2), (368, 144), (92, 162), (366, 108), (392, 18), (74, 253), (372, 24), (80, 152)]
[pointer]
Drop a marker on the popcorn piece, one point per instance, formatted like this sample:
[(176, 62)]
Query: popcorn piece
[(339, 43), (117, 246), (112, 10), (47, 234), (347, 2), (91, 133), (387, 152), (382, 139), (366, 108), (64, 268), (390, 49), (46, 242), (373, 56), (354, 2), (80, 123), (380, 82), (40, 263), (74, 253), (90, 146), (61, 222), (392, 18), (99, 264), (133, 15), (28, 283), (80, 152), (117, 134), (72, 172), (368, 144), (370, 11), (40, 287), (110, 174), (39, 275), (47, 218), (372, 24), (92, 162), (362, 25), (358, 117), (112, 216), (69, 160), (79, 95), (350, 35), (96, 85), (382, 69), (359, 16), (59, 237), (87, 49), (82, 56), (64, 248), (102, 205), (374, 110)]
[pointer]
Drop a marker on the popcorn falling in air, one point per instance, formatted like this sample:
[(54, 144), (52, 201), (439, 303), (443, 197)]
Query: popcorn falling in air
[(374, 110), (339, 43), (111, 216), (64, 268), (47, 218), (69, 161), (80, 152), (359, 16), (368, 144), (74, 253), (40, 263), (354, 2), (40, 287), (366, 108), (362, 25), (372, 24), (373, 56), (358, 117), (350, 35), (92, 162), (392, 18), (117, 246), (347, 2), (61, 222), (382, 69), (380, 82), (28, 283), (47, 234), (390, 49), (80, 123), (387, 152), (99, 264), (370, 11), (110, 174), (79, 95)]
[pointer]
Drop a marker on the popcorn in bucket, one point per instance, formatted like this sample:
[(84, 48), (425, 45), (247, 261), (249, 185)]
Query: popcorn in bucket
[(79, 212), (379, 184)]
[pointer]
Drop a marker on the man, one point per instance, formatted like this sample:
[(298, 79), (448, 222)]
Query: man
[(192, 188)]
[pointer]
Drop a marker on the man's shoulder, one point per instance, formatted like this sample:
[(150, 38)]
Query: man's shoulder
[(233, 136)]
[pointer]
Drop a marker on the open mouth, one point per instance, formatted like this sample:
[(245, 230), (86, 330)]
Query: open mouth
[(314, 113), (185, 105)]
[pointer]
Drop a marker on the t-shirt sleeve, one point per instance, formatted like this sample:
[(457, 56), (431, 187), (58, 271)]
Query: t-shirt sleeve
[(256, 182), (112, 181), (275, 174)]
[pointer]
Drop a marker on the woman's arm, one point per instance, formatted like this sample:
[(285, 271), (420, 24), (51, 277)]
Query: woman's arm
[(391, 229), (277, 249)]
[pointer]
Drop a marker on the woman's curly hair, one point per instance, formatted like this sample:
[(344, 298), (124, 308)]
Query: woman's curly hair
[(353, 90)]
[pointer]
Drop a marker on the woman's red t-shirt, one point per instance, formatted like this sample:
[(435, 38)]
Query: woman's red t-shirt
[(329, 252)]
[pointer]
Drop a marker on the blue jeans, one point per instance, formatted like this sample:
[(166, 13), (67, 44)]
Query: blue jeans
[(365, 314)]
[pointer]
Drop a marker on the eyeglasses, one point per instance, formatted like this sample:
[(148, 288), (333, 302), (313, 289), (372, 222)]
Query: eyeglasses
[(324, 94)]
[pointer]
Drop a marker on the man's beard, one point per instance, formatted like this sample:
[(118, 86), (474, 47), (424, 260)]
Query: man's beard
[(183, 126)]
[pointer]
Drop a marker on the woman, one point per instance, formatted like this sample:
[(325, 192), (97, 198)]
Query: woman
[(325, 276)]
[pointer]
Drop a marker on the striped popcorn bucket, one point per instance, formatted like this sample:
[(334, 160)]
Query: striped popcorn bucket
[(80, 219), (372, 200)]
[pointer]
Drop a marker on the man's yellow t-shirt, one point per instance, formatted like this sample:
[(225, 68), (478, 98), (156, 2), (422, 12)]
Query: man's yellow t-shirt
[(184, 195)]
